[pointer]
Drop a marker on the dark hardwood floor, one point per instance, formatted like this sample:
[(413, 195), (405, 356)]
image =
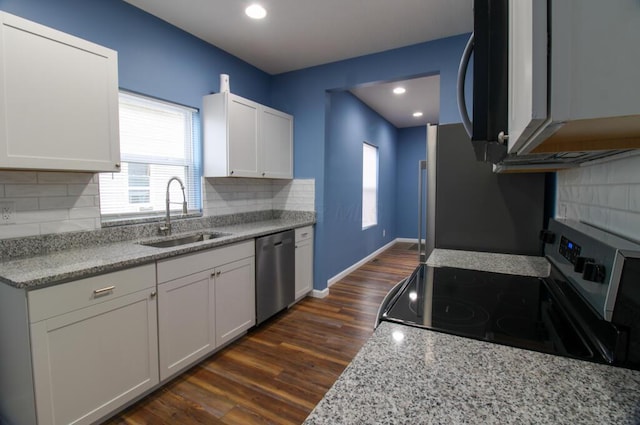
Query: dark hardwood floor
[(280, 370)]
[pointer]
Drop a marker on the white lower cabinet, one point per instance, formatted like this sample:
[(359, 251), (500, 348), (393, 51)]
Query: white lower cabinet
[(94, 345), (205, 300), (304, 261), (235, 299), (186, 322)]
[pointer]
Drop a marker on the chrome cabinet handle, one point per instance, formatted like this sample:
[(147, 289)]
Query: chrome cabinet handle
[(103, 291)]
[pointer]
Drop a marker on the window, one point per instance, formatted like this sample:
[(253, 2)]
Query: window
[(158, 140), (369, 185)]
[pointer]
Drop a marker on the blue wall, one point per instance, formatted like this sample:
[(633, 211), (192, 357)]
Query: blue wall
[(154, 58), (412, 147), (350, 123), (304, 94), (160, 60)]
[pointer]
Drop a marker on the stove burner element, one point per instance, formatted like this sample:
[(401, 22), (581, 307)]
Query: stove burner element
[(458, 312)]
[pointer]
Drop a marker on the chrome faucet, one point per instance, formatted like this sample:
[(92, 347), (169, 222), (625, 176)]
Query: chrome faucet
[(167, 223)]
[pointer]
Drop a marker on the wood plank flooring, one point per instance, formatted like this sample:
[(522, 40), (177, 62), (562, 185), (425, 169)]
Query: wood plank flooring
[(279, 371)]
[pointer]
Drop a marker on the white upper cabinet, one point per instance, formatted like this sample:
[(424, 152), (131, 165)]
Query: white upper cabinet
[(59, 100), (243, 138), (277, 144), (573, 72)]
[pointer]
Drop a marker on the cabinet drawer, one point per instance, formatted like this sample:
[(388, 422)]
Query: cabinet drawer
[(186, 265), (55, 300), (304, 233)]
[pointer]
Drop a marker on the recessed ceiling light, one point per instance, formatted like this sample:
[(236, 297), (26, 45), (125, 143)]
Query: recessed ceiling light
[(255, 11), (399, 90), (417, 114)]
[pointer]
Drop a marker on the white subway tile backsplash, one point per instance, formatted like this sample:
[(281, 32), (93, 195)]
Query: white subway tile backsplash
[(18, 177), (83, 189), (89, 212), (23, 204), (634, 198), (68, 226), (55, 202), (233, 195), (31, 190), (41, 216), (50, 202), (606, 195), (19, 230), (61, 177)]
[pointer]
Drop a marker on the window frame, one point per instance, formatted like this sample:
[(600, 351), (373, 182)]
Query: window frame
[(374, 223), (192, 161)]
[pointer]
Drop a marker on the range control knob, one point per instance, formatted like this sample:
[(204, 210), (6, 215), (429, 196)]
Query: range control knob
[(593, 272), (547, 236), (578, 266)]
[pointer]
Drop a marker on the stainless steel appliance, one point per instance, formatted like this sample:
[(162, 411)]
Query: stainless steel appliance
[(470, 208), (588, 308), (275, 274), (540, 100)]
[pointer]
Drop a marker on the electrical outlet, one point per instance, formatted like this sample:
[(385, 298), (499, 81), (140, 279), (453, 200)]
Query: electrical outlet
[(7, 212)]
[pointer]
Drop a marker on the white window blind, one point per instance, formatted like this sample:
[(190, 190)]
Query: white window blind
[(158, 140), (369, 185)]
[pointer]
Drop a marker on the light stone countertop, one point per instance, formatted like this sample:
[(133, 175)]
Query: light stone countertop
[(499, 263), (65, 265), (407, 375)]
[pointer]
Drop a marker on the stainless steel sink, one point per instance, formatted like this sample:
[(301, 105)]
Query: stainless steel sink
[(199, 237)]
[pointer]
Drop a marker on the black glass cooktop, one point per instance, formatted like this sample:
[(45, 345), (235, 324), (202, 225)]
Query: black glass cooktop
[(513, 310)]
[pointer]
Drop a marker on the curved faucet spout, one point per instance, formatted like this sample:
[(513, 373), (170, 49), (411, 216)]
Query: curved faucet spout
[(167, 224)]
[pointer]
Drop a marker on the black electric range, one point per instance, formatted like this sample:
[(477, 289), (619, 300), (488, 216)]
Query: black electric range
[(588, 307)]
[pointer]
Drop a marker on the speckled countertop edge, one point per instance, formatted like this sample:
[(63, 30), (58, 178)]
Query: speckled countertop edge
[(63, 266), (406, 375), (498, 263)]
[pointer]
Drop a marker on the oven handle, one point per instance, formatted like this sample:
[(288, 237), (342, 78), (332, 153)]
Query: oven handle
[(422, 249)]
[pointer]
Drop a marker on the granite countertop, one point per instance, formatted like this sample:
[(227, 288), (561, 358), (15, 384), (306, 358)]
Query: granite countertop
[(499, 263), (407, 375), (69, 264)]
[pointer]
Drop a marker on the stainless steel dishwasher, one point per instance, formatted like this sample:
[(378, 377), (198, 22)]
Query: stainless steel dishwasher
[(275, 274)]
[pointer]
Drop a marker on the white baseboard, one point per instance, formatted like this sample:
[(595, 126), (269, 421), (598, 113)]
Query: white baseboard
[(319, 294), (407, 240), (360, 263)]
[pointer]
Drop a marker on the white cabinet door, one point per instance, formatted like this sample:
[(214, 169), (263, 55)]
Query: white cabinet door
[(235, 299), (277, 144), (304, 261), (243, 137), (59, 108), (91, 361), (527, 70), (186, 322)]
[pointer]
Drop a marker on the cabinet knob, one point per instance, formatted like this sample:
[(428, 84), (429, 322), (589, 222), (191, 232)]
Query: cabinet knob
[(502, 138), (153, 294), (231, 172), (117, 165), (263, 174), (218, 273)]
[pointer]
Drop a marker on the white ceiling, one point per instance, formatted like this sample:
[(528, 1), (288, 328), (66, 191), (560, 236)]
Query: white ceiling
[(298, 34)]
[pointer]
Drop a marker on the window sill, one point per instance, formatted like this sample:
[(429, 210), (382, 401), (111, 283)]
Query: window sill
[(156, 218)]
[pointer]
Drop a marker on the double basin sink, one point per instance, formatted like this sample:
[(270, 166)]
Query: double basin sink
[(184, 240)]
